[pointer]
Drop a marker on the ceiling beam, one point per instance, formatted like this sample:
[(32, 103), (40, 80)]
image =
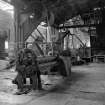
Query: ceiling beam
[(77, 26)]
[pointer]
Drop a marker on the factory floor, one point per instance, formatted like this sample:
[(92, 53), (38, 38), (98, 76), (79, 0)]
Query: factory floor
[(85, 87)]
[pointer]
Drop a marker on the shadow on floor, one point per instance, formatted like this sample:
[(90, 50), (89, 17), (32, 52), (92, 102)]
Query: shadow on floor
[(67, 82), (63, 84), (75, 76)]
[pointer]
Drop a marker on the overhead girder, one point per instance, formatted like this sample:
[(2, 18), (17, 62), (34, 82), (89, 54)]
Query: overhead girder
[(56, 11), (65, 9), (62, 10), (77, 26)]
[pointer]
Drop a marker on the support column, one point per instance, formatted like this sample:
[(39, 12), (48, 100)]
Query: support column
[(11, 40), (19, 32), (24, 26)]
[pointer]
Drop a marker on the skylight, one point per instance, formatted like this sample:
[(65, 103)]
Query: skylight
[(6, 7)]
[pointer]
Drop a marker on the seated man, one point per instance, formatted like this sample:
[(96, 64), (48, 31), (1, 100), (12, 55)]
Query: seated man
[(27, 67)]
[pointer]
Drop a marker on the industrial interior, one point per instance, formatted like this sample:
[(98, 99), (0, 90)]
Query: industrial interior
[(67, 40)]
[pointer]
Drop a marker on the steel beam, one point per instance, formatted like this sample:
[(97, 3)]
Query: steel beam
[(77, 26)]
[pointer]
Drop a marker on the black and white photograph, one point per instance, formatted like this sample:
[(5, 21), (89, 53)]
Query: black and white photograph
[(52, 52)]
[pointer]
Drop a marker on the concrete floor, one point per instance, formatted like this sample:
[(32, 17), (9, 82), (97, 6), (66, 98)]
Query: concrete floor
[(86, 87)]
